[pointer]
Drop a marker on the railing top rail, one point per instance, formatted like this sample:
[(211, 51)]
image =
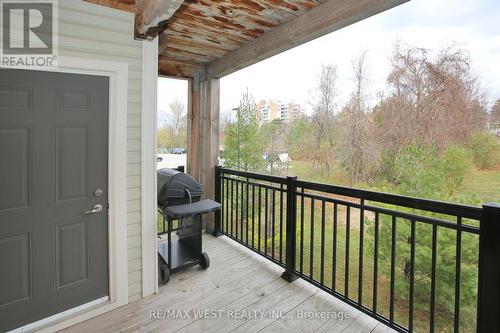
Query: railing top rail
[(434, 206), (258, 176)]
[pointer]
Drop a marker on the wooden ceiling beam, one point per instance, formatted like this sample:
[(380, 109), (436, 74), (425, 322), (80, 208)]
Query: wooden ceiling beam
[(150, 20), (319, 21), (177, 68)]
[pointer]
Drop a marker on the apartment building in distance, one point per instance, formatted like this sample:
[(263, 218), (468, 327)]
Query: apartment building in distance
[(269, 110)]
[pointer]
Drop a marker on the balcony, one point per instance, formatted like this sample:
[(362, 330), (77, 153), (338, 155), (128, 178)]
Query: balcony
[(307, 257)]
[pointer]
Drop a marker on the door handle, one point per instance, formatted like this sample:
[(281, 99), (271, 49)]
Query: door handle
[(97, 209)]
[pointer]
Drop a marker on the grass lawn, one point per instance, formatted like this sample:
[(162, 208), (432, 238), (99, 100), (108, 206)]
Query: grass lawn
[(483, 184), (479, 186), (304, 171)]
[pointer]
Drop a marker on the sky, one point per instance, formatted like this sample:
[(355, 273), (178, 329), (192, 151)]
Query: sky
[(291, 76), (168, 91)]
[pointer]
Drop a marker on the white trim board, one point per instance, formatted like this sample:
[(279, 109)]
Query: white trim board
[(117, 72), (148, 166), (67, 313)]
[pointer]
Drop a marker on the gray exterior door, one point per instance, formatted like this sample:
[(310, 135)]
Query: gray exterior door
[(53, 159)]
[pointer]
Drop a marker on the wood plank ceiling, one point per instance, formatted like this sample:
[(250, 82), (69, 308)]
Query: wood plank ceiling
[(202, 31)]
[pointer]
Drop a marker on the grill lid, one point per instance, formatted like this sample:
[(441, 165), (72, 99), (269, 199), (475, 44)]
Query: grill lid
[(173, 187)]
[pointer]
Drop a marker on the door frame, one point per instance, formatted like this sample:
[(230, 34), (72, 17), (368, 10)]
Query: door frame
[(117, 72)]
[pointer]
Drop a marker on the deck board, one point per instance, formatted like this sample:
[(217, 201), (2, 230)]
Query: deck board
[(245, 293)]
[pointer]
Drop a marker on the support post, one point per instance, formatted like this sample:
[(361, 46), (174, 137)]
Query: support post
[(291, 232), (203, 134), (488, 318), (193, 127), (218, 197)]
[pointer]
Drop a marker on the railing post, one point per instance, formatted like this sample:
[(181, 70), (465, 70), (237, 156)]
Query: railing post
[(488, 318), (218, 197), (291, 232)]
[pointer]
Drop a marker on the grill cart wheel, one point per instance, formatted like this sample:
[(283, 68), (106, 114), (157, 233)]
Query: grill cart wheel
[(163, 272), (204, 260)]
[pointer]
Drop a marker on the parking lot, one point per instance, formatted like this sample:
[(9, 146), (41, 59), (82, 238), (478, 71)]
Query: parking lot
[(171, 161)]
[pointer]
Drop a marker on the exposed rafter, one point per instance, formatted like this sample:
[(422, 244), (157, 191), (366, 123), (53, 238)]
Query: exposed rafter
[(176, 68), (150, 20)]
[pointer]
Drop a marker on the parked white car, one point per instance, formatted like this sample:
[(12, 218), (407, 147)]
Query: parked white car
[(170, 160)]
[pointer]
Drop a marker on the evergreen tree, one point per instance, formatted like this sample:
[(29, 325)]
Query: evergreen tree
[(243, 145)]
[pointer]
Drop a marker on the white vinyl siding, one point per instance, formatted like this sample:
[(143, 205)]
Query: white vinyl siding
[(91, 31)]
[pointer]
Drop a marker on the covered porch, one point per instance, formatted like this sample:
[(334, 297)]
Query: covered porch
[(298, 256), (288, 280), (203, 41)]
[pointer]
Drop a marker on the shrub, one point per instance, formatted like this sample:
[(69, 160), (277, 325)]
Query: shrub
[(418, 171), (485, 150), (457, 162)]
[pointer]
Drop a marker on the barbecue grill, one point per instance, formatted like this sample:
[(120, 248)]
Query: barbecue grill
[(179, 200)]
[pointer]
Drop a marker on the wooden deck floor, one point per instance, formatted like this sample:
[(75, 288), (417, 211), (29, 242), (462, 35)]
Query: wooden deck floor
[(240, 292)]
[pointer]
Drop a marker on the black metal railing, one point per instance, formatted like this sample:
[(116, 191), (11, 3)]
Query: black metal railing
[(366, 248), (252, 212)]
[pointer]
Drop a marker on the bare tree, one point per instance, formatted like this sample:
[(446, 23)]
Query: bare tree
[(324, 108), (357, 150), (178, 111), (432, 100)]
